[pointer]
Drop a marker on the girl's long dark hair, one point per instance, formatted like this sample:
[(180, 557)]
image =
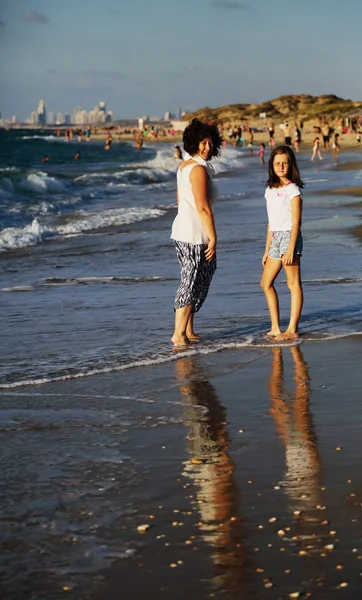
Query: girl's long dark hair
[(293, 171)]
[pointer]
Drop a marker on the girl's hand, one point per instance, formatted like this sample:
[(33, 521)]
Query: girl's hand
[(288, 258), (264, 259), (210, 251)]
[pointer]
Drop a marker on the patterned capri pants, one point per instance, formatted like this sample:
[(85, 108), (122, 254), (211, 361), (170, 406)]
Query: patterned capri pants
[(196, 275)]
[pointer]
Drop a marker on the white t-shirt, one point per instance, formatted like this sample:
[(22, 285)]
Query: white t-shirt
[(279, 207), (187, 226)]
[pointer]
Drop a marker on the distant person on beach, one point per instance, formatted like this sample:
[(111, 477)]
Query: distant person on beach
[(138, 139), (178, 154), (271, 135), (284, 242), (193, 229), (326, 132), (45, 159), (297, 138), (261, 153), (77, 155), (109, 141), (287, 136), (336, 146), (250, 141), (316, 149)]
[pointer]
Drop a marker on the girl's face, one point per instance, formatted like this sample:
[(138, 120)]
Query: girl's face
[(281, 165), (205, 148)]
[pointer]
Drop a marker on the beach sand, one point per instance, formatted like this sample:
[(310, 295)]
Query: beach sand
[(246, 473)]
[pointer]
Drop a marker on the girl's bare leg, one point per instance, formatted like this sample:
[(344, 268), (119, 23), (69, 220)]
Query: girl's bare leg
[(296, 299), (182, 316), (271, 269), (190, 333)]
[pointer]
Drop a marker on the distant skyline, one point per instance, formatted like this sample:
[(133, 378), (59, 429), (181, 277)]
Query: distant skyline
[(150, 57)]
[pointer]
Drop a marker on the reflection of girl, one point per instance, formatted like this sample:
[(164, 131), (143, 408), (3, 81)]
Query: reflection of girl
[(193, 229)]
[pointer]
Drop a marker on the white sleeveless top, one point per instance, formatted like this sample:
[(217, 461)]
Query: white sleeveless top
[(187, 226)]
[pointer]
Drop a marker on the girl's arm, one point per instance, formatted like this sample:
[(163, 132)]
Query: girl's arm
[(267, 245), (198, 178), (296, 203)]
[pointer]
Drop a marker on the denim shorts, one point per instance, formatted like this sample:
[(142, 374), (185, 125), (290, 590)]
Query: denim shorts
[(280, 243)]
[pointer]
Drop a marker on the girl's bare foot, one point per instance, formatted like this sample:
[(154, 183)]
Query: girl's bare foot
[(180, 340), (287, 335)]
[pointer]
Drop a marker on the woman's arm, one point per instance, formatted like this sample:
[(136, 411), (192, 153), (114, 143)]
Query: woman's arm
[(198, 178), (296, 204)]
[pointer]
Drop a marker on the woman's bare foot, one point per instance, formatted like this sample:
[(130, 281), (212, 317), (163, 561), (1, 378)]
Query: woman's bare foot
[(287, 335), (180, 340), (273, 333)]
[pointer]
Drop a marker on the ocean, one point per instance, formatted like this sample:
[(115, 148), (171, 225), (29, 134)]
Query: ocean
[(92, 421)]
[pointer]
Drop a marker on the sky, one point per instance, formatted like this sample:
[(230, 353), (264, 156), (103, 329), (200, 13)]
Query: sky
[(151, 56)]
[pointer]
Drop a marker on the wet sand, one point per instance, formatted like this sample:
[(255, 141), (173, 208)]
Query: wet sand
[(246, 474), (267, 501)]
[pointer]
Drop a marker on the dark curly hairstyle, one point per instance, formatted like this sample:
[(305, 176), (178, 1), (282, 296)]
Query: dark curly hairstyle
[(293, 171), (198, 131)]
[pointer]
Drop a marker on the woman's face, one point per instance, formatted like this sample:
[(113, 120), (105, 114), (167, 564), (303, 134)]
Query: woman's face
[(205, 148)]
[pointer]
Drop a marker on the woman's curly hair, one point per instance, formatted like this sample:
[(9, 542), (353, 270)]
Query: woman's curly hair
[(198, 131)]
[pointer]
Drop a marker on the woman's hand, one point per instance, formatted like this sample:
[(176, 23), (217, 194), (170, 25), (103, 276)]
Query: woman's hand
[(264, 259), (210, 251), (288, 257)]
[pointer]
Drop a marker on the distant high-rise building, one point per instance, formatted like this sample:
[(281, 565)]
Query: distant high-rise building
[(167, 116), (59, 119), (42, 113), (34, 118), (68, 119), (50, 117)]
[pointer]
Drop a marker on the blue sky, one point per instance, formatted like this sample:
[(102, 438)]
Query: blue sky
[(149, 56)]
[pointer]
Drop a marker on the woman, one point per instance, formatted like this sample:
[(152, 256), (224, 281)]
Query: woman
[(193, 229)]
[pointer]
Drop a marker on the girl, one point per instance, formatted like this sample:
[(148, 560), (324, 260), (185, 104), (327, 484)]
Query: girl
[(284, 243), (316, 149)]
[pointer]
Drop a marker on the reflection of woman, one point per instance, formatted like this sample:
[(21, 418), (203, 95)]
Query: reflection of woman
[(295, 426), (193, 229), (212, 471)]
